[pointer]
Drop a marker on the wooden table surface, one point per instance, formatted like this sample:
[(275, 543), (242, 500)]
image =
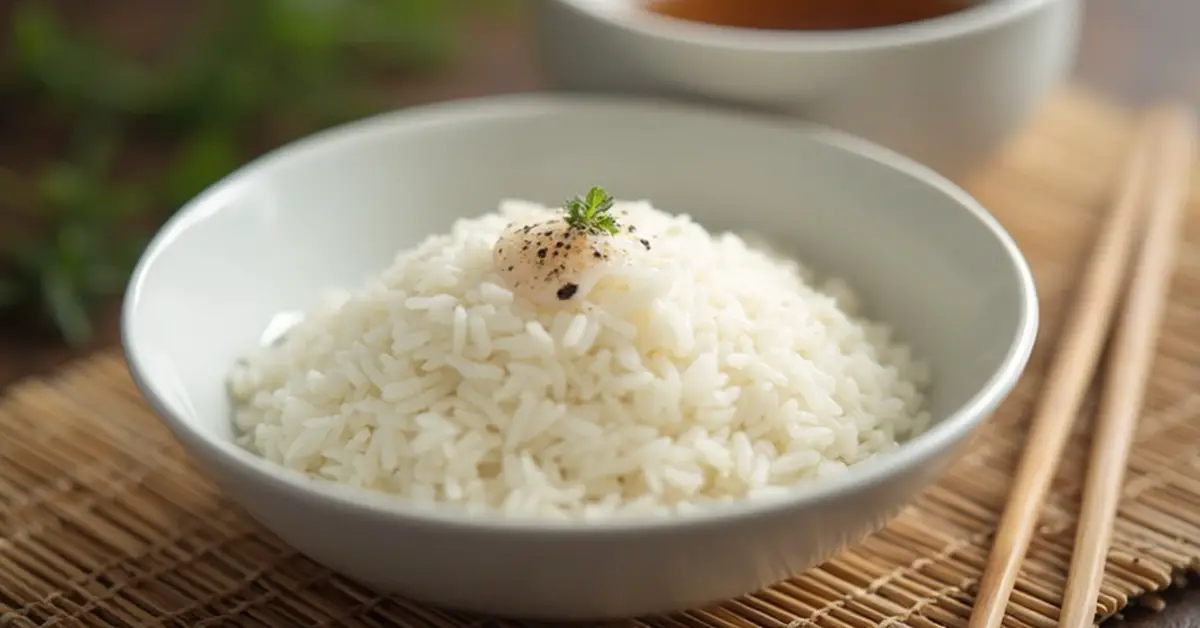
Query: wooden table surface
[(1133, 51)]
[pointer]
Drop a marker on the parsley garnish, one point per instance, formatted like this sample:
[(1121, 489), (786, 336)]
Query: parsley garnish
[(591, 213)]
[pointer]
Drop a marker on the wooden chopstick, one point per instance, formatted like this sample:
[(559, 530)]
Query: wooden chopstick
[(1071, 371), (1131, 354)]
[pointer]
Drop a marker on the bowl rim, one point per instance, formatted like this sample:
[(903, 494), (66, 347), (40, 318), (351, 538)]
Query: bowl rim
[(980, 16), (911, 454)]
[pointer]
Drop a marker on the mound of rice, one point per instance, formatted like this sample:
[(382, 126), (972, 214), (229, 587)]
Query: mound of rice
[(709, 371)]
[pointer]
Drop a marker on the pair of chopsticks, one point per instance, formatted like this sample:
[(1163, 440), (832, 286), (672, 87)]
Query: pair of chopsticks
[(1150, 201)]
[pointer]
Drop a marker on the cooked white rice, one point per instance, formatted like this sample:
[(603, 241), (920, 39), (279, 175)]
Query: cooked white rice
[(709, 371)]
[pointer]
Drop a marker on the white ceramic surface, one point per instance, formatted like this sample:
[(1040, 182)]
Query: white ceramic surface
[(946, 92), (333, 209)]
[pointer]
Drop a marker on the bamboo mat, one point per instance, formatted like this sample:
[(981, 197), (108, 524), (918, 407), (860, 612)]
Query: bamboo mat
[(104, 521)]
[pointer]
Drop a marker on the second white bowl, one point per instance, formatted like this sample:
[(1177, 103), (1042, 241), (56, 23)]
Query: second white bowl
[(946, 91)]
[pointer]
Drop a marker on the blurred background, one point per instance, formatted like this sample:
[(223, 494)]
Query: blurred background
[(114, 112)]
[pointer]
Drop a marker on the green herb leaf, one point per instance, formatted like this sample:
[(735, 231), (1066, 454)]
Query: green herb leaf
[(77, 74), (308, 25), (62, 185), (402, 33), (591, 212), (37, 34), (66, 307), (206, 156)]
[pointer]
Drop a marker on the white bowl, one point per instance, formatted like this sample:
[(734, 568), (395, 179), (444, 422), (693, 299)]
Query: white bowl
[(332, 209), (946, 91)]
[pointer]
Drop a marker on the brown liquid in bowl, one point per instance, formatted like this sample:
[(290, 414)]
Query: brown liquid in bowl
[(805, 14)]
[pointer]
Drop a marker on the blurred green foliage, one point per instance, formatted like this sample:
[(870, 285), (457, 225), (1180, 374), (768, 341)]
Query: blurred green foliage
[(127, 139)]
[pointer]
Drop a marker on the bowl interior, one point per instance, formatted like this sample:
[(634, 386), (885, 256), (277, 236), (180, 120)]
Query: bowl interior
[(334, 209)]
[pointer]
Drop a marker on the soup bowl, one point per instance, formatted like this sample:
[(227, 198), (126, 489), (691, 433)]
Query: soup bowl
[(946, 91), (333, 209)]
